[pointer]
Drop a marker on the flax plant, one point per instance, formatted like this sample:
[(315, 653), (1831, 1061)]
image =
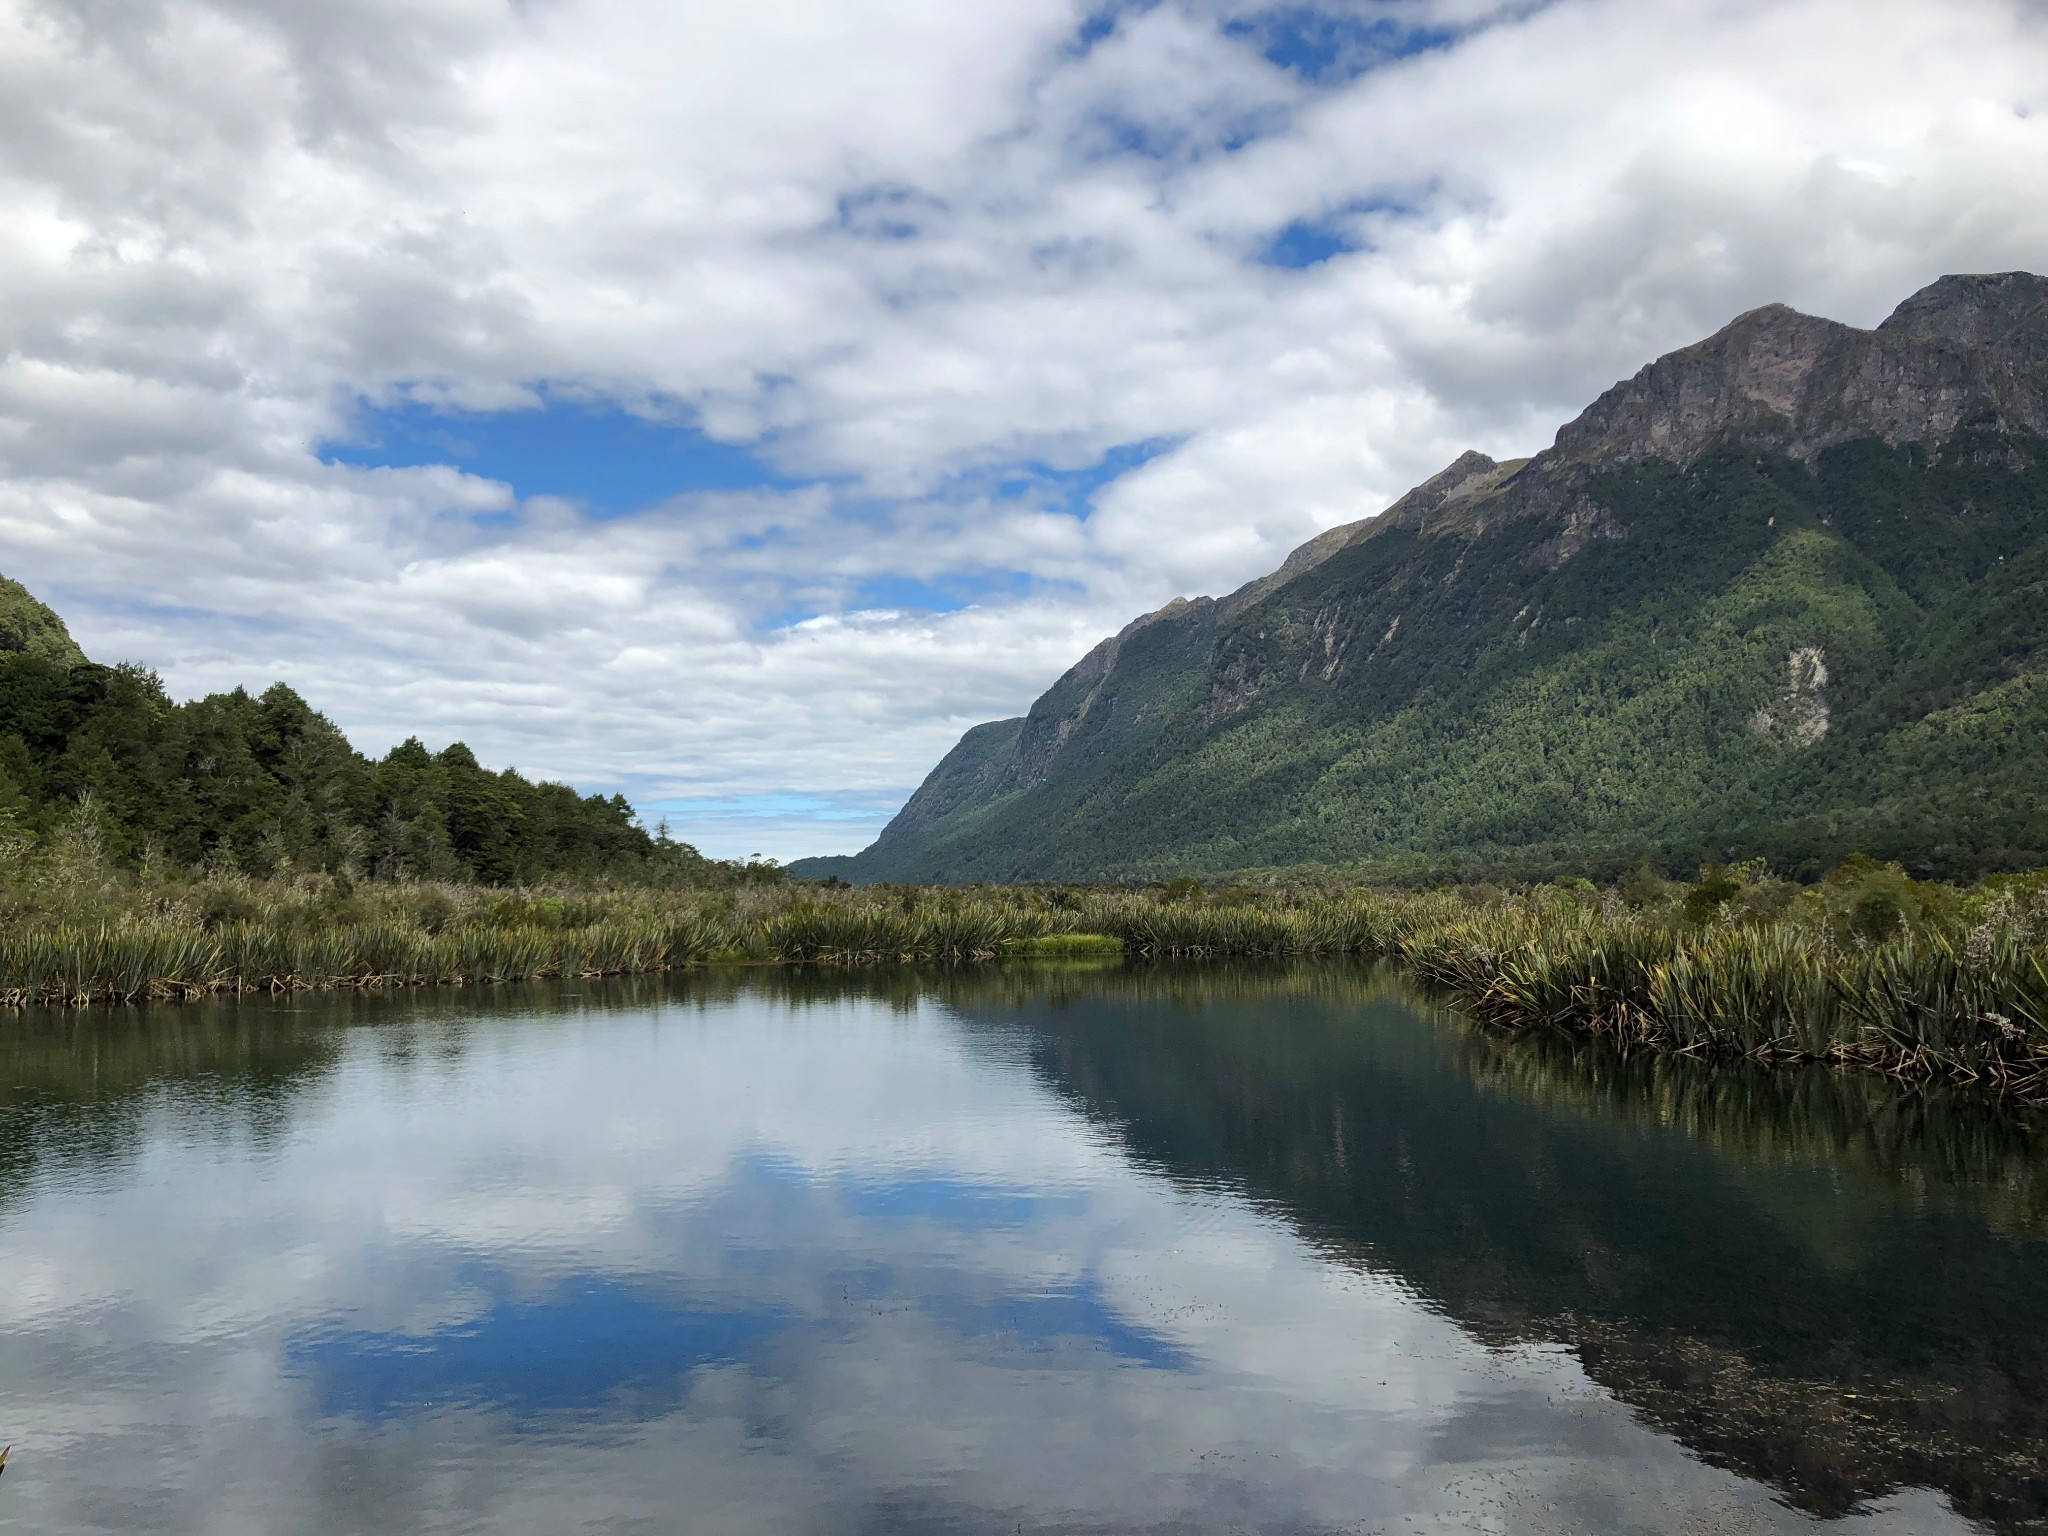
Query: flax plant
[(1871, 969)]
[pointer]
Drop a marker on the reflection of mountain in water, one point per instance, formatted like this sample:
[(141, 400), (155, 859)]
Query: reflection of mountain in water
[(1734, 1254), (1819, 1282)]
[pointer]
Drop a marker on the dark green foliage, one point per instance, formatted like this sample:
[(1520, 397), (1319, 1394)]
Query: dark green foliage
[(267, 784), (28, 628), (1745, 656)]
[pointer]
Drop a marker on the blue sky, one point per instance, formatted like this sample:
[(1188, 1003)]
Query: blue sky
[(594, 453), (729, 405), (1332, 44)]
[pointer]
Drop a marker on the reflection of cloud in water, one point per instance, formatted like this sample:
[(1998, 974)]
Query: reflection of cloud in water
[(948, 1201), (754, 1268), (1806, 1328), (593, 1343), (1045, 1322), (596, 1344)]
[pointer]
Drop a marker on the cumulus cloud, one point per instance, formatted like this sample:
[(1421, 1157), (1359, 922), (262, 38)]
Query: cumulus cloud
[(883, 1213), (930, 263)]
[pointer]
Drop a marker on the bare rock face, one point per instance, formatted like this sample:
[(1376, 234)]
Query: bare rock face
[(1466, 475), (1752, 378), (1964, 351), (1799, 716), (2001, 312), (1583, 522)]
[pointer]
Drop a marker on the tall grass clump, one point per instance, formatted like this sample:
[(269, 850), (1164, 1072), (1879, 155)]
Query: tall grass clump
[(1870, 968)]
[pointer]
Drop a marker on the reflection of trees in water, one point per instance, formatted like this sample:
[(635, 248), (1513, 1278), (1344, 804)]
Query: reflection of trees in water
[(1930, 1144), (1732, 1253), (79, 1089), (84, 1089)]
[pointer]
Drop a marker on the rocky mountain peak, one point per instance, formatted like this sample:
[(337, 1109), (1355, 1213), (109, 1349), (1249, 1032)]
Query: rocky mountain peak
[(1458, 481), (1963, 350), (1753, 377), (1998, 311)]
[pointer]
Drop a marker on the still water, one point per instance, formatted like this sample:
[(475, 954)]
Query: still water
[(1020, 1249)]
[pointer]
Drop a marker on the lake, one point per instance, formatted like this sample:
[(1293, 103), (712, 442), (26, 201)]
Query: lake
[(1020, 1248)]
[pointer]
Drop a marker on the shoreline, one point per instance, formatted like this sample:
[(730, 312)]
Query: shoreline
[(1960, 997)]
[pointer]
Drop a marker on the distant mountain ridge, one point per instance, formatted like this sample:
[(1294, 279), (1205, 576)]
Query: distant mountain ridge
[(1777, 593)]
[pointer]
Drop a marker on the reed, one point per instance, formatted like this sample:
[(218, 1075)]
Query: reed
[(1869, 970), (1951, 998)]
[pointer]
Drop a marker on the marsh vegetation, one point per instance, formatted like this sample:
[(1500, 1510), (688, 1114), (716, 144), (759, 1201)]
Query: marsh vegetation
[(1867, 968)]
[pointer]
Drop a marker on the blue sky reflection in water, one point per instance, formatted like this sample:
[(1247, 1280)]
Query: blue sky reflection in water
[(742, 1256)]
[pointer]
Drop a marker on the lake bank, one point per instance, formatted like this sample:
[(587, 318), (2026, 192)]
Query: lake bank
[(1871, 970)]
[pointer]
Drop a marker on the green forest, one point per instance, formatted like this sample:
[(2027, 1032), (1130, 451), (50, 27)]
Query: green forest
[(1754, 656), (264, 784)]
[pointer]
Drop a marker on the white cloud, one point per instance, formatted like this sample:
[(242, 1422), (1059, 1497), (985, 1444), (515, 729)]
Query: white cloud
[(900, 244), (186, 1300)]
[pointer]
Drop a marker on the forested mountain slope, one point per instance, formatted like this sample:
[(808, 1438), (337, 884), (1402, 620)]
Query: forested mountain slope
[(1782, 593), (269, 785)]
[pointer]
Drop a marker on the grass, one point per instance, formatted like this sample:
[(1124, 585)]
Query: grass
[(1062, 946), (1870, 969)]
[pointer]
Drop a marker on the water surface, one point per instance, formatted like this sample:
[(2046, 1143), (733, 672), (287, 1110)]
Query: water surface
[(1029, 1248)]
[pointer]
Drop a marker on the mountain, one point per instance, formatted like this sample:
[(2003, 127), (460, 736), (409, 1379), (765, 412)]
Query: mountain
[(267, 784), (1784, 593)]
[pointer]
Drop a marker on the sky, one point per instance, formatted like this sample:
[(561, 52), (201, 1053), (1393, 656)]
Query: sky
[(729, 404)]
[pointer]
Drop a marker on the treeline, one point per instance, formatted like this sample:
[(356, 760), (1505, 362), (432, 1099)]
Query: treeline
[(266, 785)]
